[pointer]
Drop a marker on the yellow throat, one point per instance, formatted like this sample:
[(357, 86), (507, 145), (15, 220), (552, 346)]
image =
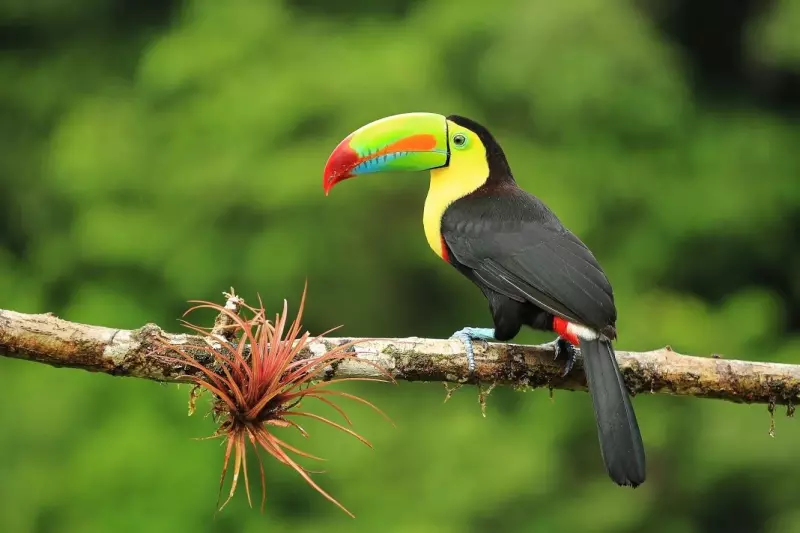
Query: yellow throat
[(468, 170)]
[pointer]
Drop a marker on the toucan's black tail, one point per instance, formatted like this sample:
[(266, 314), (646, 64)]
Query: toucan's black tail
[(620, 440)]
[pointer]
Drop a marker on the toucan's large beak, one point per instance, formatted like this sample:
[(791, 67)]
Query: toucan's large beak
[(411, 141)]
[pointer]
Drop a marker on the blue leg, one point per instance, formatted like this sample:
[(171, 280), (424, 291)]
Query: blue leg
[(563, 347), (467, 335)]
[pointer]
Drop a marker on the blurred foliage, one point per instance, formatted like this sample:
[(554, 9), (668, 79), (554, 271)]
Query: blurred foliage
[(155, 151), (775, 36)]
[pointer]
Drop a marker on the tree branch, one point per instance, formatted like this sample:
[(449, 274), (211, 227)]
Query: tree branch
[(47, 339)]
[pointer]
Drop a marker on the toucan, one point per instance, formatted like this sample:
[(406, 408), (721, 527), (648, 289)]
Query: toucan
[(532, 270)]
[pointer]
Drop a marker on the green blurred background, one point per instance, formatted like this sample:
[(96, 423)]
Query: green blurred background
[(155, 151)]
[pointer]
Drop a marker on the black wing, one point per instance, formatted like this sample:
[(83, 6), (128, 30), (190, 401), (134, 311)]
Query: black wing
[(517, 247)]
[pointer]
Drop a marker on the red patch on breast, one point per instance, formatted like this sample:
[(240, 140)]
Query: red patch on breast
[(561, 327), (445, 253)]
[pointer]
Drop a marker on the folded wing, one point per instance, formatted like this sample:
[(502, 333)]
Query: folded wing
[(528, 259)]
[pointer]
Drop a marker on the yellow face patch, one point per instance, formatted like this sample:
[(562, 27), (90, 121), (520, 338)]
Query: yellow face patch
[(468, 170)]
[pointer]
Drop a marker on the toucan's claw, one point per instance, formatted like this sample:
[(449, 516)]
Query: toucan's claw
[(467, 341), (562, 347), (466, 336)]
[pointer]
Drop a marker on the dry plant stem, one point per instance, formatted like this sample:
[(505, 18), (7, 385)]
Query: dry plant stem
[(224, 325), (47, 339)]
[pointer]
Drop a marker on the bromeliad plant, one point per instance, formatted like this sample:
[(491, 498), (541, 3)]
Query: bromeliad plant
[(259, 380)]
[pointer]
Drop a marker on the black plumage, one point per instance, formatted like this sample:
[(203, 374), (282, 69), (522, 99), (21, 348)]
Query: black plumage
[(531, 268)]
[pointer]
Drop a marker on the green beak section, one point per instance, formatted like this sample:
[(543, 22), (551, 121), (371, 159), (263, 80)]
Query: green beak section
[(410, 141)]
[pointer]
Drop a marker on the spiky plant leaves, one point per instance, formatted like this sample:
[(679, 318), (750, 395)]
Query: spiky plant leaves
[(259, 380)]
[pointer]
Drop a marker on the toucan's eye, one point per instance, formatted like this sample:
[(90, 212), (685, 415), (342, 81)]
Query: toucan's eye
[(459, 140)]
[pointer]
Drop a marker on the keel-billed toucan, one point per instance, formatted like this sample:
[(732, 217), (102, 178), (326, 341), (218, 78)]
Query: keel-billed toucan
[(532, 270)]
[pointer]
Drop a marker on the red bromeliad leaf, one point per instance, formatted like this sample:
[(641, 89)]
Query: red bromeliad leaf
[(257, 377)]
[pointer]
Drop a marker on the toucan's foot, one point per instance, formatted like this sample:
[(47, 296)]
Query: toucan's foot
[(562, 347), (467, 335)]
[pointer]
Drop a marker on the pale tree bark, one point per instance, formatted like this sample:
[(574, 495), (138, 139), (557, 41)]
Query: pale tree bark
[(45, 338)]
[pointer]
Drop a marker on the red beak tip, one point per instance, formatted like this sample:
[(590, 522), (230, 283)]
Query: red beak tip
[(331, 179), (327, 185), (341, 161)]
